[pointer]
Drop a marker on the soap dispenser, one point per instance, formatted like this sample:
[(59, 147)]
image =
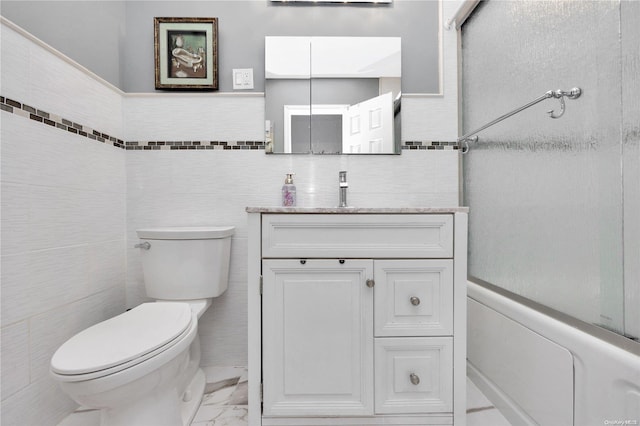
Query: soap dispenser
[(289, 191)]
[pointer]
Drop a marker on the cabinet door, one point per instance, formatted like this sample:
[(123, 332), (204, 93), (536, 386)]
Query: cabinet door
[(414, 297), (317, 339)]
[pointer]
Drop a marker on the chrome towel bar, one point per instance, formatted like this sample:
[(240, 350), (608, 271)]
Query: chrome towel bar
[(558, 94)]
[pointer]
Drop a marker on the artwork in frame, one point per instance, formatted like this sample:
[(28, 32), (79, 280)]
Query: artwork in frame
[(186, 53)]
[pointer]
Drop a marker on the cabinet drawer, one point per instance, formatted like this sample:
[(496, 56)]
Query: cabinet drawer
[(413, 375), (413, 297), (357, 235)]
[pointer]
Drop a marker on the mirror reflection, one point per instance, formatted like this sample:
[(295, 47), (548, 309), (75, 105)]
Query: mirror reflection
[(333, 95)]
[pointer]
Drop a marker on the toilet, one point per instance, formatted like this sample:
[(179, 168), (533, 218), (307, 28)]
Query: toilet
[(142, 367)]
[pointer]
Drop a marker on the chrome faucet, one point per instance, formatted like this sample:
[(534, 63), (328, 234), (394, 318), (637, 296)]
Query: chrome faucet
[(343, 189)]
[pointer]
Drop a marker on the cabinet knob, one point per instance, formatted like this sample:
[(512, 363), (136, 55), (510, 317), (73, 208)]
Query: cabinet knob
[(415, 301), (370, 283), (415, 380)]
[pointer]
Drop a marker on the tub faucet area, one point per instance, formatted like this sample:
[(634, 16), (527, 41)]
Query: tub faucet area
[(343, 188)]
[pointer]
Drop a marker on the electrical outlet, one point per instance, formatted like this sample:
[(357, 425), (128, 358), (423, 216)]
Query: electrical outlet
[(243, 78)]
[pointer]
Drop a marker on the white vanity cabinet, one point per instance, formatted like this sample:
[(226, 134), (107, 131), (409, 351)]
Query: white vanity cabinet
[(357, 316)]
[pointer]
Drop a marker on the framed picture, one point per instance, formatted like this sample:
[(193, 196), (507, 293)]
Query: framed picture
[(186, 53)]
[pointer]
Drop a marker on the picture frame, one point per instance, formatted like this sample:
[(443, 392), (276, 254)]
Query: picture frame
[(186, 53)]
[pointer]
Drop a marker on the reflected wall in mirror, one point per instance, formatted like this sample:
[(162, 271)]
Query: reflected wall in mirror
[(332, 95)]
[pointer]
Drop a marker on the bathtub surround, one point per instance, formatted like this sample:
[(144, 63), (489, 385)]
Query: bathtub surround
[(71, 204)]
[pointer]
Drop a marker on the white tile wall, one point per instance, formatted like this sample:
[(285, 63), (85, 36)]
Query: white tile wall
[(41, 403), (63, 223), (15, 357), (184, 117)]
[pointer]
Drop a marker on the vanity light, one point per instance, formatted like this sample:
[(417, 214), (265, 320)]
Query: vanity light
[(331, 1)]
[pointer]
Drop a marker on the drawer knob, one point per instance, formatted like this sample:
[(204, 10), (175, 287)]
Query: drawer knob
[(370, 283), (415, 380), (415, 301)]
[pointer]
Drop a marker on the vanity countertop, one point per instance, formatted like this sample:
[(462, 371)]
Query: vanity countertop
[(357, 210)]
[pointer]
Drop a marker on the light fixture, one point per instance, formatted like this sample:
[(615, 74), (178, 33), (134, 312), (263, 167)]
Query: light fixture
[(332, 1)]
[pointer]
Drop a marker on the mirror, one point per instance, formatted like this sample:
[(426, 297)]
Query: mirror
[(332, 95)]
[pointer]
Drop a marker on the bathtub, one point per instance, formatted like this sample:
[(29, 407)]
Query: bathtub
[(539, 366), (187, 58)]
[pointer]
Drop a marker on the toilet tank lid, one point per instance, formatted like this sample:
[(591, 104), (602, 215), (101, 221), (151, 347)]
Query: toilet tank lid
[(186, 233)]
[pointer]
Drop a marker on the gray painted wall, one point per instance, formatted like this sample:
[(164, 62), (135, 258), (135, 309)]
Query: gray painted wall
[(114, 39), (89, 32)]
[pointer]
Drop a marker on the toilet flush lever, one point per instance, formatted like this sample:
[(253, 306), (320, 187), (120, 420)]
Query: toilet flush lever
[(144, 246)]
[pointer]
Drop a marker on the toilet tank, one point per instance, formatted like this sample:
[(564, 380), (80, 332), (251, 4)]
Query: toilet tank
[(187, 262)]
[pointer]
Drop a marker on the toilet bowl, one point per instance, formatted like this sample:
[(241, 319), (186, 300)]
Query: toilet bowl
[(113, 362), (142, 367)]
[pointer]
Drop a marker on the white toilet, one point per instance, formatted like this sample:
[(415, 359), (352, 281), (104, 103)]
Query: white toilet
[(142, 367)]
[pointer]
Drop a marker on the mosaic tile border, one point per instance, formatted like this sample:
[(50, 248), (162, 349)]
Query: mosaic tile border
[(27, 111), (420, 145), (53, 120), (173, 145)]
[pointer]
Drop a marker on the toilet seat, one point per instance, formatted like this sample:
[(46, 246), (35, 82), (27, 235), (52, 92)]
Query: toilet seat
[(186, 233), (123, 341)]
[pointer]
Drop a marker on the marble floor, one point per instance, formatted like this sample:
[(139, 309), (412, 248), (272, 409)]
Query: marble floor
[(225, 403)]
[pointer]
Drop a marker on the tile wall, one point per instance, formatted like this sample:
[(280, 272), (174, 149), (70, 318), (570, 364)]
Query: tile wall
[(63, 220)]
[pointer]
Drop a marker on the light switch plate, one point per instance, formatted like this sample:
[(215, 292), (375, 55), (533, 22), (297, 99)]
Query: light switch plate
[(242, 78)]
